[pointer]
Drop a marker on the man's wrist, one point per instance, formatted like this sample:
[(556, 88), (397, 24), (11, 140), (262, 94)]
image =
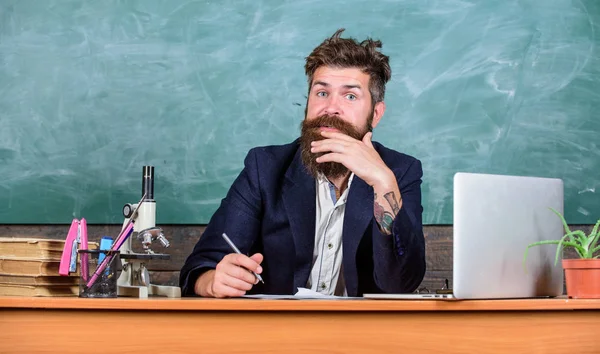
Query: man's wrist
[(203, 286), (386, 183)]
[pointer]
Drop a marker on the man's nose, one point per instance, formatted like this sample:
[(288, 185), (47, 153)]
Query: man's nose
[(333, 106)]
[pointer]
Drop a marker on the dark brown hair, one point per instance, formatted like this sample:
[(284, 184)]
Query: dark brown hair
[(348, 53)]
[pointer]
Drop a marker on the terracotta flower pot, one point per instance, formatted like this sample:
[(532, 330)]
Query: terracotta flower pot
[(582, 277)]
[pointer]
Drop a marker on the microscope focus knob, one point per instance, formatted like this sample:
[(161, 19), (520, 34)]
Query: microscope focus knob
[(128, 210)]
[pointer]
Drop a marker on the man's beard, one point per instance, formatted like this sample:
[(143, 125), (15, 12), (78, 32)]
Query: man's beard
[(311, 131)]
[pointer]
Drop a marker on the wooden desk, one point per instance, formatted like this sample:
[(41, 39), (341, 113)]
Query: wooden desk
[(160, 325)]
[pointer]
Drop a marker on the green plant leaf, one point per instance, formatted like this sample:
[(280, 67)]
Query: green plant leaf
[(560, 246), (582, 252), (549, 242), (595, 235), (583, 239), (580, 249), (564, 222), (546, 242), (580, 236), (595, 229), (584, 245), (580, 243)]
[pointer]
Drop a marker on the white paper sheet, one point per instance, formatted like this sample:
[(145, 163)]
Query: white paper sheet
[(301, 294)]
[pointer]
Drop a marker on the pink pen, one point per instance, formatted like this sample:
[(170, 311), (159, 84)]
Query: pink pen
[(110, 254), (116, 245)]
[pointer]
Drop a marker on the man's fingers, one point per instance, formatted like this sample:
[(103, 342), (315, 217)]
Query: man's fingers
[(222, 290), (236, 271), (258, 258), (236, 283), (241, 266), (247, 262), (336, 135), (333, 157), (331, 146), (231, 280), (367, 139), (242, 274), (233, 274)]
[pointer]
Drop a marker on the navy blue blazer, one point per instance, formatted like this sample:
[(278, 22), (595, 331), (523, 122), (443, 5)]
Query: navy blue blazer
[(270, 208)]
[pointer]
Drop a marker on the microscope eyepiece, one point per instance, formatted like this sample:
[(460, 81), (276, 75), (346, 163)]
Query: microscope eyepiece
[(148, 183)]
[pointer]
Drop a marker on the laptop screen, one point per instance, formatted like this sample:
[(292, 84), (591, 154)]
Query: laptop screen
[(495, 218)]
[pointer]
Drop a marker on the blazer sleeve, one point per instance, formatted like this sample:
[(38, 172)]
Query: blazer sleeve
[(399, 258), (238, 216)]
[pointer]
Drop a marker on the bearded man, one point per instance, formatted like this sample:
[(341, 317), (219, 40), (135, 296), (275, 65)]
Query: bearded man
[(332, 211)]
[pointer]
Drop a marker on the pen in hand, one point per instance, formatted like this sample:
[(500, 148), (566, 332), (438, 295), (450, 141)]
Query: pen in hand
[(236, 250)]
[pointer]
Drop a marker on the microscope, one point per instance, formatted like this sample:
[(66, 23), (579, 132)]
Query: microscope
[(135, 278)]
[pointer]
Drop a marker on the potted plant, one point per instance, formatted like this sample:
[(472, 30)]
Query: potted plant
[(582, 275)]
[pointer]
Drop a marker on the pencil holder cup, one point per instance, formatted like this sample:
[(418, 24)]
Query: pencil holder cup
[(98, 271)]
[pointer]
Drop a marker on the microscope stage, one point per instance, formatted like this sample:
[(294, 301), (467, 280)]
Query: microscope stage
[(145, 256)]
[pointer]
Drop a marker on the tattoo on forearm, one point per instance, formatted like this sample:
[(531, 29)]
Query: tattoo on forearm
[(391, 199), (378, 210), (383, 218)]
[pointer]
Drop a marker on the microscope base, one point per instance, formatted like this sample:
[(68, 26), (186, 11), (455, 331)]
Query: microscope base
[(133, 291), (142, 292), (163, 290), (135, 272)]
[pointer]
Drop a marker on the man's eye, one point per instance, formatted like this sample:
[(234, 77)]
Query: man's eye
[(351, 96), (322, 94)]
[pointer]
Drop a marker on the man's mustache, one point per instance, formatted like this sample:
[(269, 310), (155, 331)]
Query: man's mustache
[(331, 121)]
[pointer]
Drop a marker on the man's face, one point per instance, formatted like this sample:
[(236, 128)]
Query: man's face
[(339, 100), (343, 93)]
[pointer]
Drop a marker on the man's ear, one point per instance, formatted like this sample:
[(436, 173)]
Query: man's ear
[(378, 113)]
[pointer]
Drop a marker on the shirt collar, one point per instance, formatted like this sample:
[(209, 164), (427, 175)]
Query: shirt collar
[(321, 179)]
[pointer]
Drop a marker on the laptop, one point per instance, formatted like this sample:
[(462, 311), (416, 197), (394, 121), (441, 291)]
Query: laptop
[(495, 218)]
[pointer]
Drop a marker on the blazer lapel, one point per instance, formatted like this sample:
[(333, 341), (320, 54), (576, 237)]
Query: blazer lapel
[(358, 215), (299, 195)]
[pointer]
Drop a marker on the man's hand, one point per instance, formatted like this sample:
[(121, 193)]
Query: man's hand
[(231, 278), (361, 158), (358, 156)]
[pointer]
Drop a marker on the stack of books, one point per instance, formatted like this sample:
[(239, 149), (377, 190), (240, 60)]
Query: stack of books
[(29, 267)]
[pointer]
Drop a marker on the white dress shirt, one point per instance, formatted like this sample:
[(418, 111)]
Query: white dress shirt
[(326, 275)]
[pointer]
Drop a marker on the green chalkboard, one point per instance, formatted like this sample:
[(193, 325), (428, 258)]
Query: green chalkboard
[(90, 91)]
